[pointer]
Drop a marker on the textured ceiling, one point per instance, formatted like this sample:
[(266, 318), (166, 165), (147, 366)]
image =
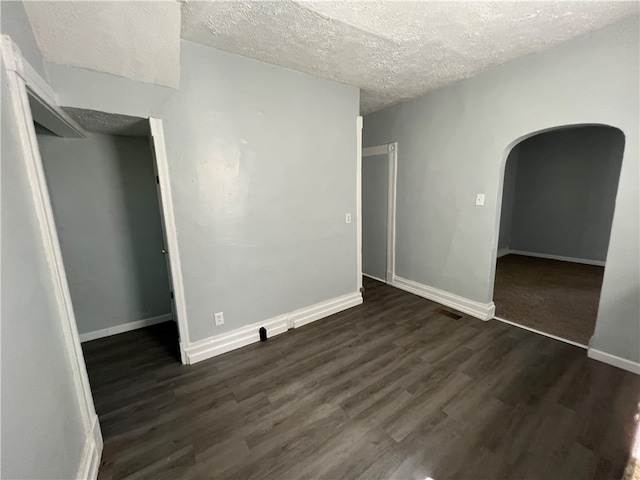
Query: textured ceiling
[(392, 50), (110, 123), (137, 40)]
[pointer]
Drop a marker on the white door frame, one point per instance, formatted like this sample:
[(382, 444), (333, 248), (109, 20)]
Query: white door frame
[(391, 149), (22, 80), (47, 100), (169, 223), (359, 202)]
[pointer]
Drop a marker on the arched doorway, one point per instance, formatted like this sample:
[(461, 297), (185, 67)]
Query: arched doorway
[(558, 200)]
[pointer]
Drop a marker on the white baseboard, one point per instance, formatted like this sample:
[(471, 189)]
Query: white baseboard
[(502, 252), (633, 367), (374, 278), (125, 327), (483, 311), (240, 337), (90, 462), (585, 261)]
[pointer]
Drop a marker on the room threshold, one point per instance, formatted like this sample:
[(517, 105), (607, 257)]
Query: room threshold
[(539, 332)]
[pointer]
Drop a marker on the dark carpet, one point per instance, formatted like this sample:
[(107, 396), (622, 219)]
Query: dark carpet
[(560, 298)]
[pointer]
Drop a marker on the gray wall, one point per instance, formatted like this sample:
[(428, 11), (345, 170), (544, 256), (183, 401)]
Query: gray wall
[(263, 170), (565, 192), (453, 144), (42, 432), (15, 23), (103, 194), (375, 193), (508, 199)]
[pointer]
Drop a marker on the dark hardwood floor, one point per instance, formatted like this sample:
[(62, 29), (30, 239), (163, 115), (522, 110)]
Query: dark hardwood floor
[(398, 387)]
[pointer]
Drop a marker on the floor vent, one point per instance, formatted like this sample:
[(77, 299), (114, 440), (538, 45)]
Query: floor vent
[(448, 313)]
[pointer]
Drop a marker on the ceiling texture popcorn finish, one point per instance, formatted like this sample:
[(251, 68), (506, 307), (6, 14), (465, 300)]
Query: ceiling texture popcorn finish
[(109, 123), (137, 40), (392, 50)]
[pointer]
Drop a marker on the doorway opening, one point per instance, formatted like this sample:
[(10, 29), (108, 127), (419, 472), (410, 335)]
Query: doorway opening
[(558, 202), (107, 204), (378, 173)]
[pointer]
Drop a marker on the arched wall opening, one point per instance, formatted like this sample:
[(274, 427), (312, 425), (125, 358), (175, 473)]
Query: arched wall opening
[(559, 189)]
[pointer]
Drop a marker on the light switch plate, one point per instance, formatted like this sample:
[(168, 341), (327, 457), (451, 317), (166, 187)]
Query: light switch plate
[(480, 199), (348, 218)]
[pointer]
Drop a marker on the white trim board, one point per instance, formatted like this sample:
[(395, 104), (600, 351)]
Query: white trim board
[(240, 337), (359, 202), (584, 261), (13, 64), (377, 150), (90, 462), (540, 332), (169, 221), (125, 327), (391, 150), (483, 311), (633, 367)]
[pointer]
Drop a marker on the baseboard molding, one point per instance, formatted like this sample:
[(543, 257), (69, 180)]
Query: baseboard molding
[(483, 311), (633, 367), (90, 462), (585, 261), (502, 252), (125, 327), (374, 278), (225, 342)]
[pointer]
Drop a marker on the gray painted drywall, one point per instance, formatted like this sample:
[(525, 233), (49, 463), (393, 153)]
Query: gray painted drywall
[(565, 192), (42, 432), (103, 194), (508, 199), (453, 144), (375, 193), (15, 23), (263, 171)]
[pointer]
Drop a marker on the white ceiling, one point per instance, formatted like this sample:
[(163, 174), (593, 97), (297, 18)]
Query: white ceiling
[(392, 50), (138, 40)]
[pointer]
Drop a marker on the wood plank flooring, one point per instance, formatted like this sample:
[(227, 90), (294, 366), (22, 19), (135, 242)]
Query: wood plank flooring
[(395, 388)]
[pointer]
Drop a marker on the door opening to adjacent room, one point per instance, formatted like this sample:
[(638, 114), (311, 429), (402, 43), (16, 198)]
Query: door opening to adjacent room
[(105, 193), (558, 203), (379, 170)]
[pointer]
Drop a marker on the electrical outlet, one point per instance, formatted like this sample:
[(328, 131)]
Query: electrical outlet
[(219, 318), (347, 219), (289, 323)]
